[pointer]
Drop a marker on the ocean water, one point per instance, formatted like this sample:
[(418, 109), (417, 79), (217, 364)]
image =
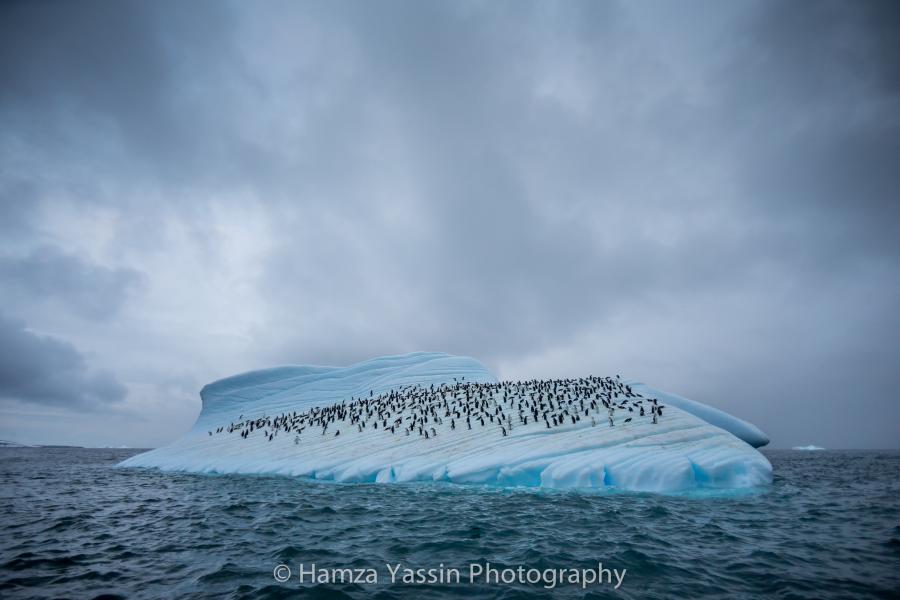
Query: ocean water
[(75, 526)]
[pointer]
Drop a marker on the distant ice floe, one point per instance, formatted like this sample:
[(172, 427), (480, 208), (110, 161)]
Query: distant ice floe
[(693, 446), (810, 447)]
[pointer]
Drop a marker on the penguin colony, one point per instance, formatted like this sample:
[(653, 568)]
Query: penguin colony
[(428, 411)]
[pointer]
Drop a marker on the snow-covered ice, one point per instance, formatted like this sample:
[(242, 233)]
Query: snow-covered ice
[(746, 431), (692, 446)]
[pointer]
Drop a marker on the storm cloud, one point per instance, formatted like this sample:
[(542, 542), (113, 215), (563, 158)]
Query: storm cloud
[(48, 274), (45, 370), (702, 196)]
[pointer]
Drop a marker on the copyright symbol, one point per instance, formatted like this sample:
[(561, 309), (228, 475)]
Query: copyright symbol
[(281, 573)]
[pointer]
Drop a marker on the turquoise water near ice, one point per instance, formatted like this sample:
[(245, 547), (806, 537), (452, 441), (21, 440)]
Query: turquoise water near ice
[(73, 525)]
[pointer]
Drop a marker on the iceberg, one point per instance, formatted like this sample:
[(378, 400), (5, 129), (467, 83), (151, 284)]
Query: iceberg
[(438, 417), (11, 444), (809, 448)]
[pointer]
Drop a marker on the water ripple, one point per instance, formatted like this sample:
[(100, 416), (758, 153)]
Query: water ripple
[(73, 526)]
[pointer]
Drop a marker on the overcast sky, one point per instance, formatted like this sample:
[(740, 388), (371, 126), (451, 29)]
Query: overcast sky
[(701, 195)]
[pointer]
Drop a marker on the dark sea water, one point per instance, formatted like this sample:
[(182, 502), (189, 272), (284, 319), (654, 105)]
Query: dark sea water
[(75, 526)]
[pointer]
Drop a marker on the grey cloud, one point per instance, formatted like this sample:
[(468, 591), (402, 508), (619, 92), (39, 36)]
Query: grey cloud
[(104, 79), (18, 200), (818, 89), (47, 371), (69, 282)]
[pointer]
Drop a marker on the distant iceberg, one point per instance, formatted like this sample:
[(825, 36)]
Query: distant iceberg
[(11, 444), (692, 446), (810, 447)]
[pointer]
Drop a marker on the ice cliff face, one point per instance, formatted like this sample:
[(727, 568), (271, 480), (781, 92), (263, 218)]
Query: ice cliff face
[(692, 445)]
